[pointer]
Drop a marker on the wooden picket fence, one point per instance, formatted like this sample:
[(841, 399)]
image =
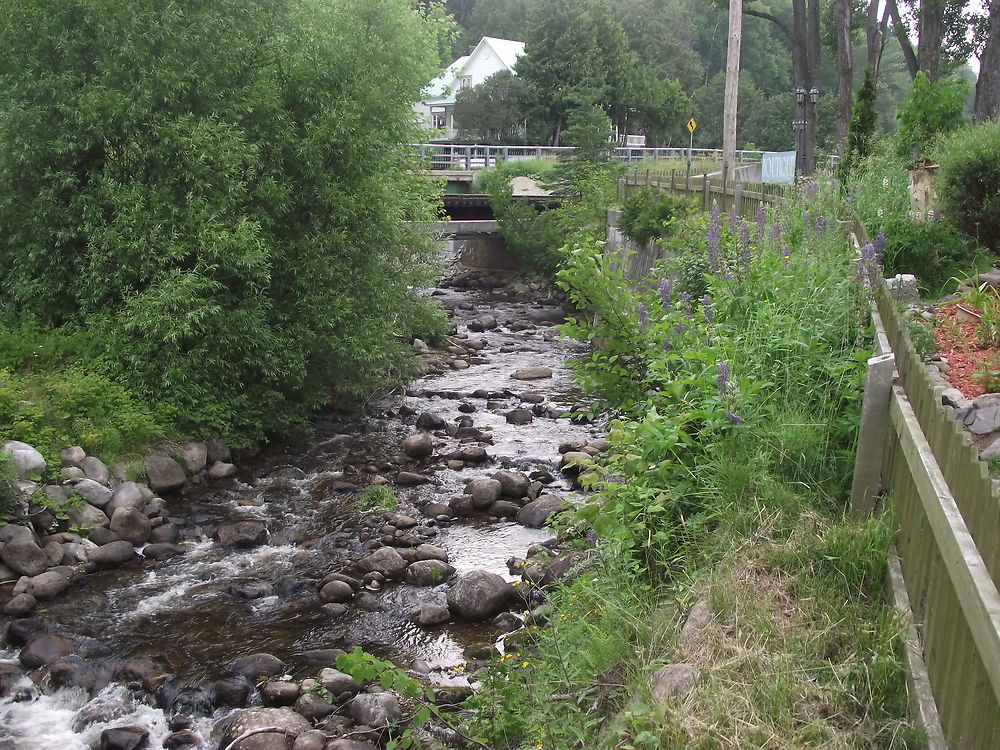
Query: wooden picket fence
[(948, 541), (740, 198)]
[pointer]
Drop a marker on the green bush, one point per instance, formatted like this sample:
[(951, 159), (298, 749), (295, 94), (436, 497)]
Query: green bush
[(8, 488), (969, 182), (233, 224), (929, 110), (648, 214), (934, 251), (423, 318)]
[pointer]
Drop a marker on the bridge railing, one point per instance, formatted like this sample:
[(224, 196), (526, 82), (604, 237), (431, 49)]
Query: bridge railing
[(456, 156)]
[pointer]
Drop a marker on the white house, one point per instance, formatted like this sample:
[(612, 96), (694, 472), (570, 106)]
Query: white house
[(490, 56)]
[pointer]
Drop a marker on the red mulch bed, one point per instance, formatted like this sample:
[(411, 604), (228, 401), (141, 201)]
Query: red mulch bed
[(956, 340)]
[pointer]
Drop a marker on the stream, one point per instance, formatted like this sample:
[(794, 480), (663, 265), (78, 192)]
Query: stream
[(177, 625)]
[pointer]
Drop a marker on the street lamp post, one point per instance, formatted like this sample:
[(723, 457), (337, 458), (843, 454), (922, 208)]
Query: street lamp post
[(810, 166), (799, 129)]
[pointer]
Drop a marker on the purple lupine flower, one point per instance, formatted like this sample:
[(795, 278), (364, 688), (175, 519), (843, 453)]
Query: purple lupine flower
[(761, 221), (706, 309), (665, 285), (666, 345), (686, 305), (879, 245), (733, 417), (820, 225), (715, 238), (776, 230), (786, 254), (806, 222), (744, 244), (680, 328), (812, 189), (722, 377), (643, 317), (591, 539), (868, 266)]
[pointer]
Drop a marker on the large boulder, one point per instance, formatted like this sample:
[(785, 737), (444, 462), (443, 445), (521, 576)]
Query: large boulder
[(125, 738), (242, 534), (43, 650), (72, 456), (113, 553), (289, 724), (430, 421), (25, 557), (479, 595), (255, 666), (127, 495), (48, 585), (165, 474), (535, 513), (131, 525), (376, 709), (93, 492), (26, 458), (512, 483), (418, 445), (428, 572), (194, 455), (484, 492), (384, 560), (95, 469), (87, 516)]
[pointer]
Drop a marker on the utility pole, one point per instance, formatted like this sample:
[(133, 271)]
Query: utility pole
[(732, 89)]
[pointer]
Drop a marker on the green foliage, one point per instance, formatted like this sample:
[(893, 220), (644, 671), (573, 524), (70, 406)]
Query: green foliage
[(929, 110), (648, 214), (861, 129), (377, 497), (232, 224), (495, 111), (922, 337), (59, 508), (969, 183), (8, 488), (423, 318)]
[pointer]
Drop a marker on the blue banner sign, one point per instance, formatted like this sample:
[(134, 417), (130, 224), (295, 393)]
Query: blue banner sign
[(778, 167)]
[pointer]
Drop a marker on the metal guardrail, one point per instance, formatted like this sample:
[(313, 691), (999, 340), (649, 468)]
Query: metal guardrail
[(456, 156)]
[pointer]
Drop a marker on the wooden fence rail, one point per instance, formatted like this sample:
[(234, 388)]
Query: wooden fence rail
[(740, 198), (948, 540)]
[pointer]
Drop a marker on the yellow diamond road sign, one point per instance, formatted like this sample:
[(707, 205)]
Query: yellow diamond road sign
[(692, 125)]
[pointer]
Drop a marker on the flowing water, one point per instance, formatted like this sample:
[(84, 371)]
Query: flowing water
[(193, 614)]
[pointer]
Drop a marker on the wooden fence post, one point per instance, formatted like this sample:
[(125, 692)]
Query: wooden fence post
[(871, 434), (673, 189), (621, 188), (706, 192), (738, 199)]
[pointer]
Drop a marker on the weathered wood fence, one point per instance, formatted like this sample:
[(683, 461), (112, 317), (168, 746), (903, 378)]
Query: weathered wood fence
[(741, 198), (948, 539)]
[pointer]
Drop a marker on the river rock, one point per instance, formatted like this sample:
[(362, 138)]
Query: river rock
[(232, 692), (334, 610), (338, 682), (280, 692), (532, 373), (484, 492), (95, 469), (428, 572), (194, 456), (222, 470), (431, 552), (285, 719), (255, 666), (519, 416), (165, 474), (535, 513), (344, 744), (100, 535), (72, 473), (336, 591), (164, 533), (72, 456), (482, 323), (573, 460), (432, 614), (26, 458), (242, 534), (87, 516), (418, 445), (93, 492), (673, 681), (127, 495), (22, 631), (43, 650), (113, 553), (410, 479), (48, 585), (25, 557), (504, 509), (430, 421), (183, 739), (314, 739), (20, 605), (474, 454), (479, 595), (376, 709), (76, 553), (313, 706), (131, 525), (384, 560), (125, 738), (512, 483)]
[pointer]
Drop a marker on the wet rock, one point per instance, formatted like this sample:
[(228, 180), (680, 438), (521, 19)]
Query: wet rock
[(113, 553), (512, 483), (222, 470), (376, 709), (254, 666), (125, 738), (164, 533), (87, 516), (504, 509), (532, 373), (138, 668), (43, 650), (131, 525), (433, 510), (428, 572), (431, 552), (535, 513), (194, 456), (314, 739), (506, 621), (161, 550), (519, 416), (313, 707), (320, 657), (479, 595), (165, 474), (430, 421), (400, 520), (20, 605), (242, 534), (94, 468), (459, 364), (338, 682), (72, 456), (466, 408), (334, 610), (410, 479), (452, 695), (27, 460), (48, 585), (474, 454), (673, 681), (93, 492), (432, 614), (25, 557), (279, 693), (287, 721), (344, 744), (461, 505), (418, 445), (185, 739), (24, 630), (484, 492), (482, 323), (230, 693), (386, 561), (336, 591)]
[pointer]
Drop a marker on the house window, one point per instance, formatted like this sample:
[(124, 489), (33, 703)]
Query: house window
[(466, 82), (439, 118)]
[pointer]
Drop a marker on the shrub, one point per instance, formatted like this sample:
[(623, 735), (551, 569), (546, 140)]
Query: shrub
[(861, 129), (8, 488), (647, 214), (969, 183), (376, 497), (929, 110)]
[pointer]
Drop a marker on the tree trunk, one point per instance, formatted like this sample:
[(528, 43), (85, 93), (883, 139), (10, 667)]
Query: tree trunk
[(902, 36), (845, 70), (813, 51), (988, 86), (931, 36), (875, 36), (732, 89)]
